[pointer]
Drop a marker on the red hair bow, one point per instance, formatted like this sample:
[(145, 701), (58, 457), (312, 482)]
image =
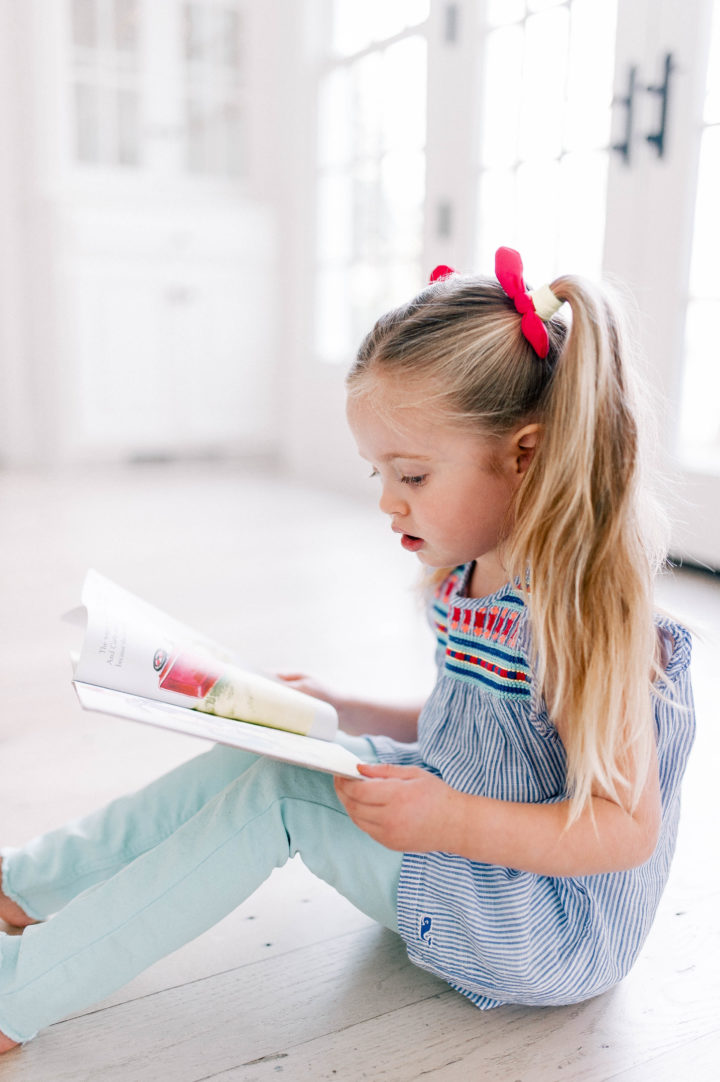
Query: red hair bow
[(441, 272), (509, 271)]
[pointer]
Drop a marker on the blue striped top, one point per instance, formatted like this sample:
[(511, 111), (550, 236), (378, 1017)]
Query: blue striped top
[(496, 934)]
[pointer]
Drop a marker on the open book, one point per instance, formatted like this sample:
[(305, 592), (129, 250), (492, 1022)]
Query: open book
[(138, 663)]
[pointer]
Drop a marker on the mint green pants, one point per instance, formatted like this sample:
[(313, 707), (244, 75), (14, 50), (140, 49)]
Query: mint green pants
[(134, 881)]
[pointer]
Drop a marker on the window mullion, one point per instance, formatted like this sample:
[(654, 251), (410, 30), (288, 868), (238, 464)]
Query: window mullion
[(453, 108)]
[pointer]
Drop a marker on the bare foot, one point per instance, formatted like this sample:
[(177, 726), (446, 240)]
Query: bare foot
[(12, 913), (6, 1045)]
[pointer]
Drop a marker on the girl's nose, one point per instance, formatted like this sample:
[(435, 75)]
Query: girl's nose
[(392, 502)]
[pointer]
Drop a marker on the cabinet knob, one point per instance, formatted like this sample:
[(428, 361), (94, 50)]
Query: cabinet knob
[(180, 294)]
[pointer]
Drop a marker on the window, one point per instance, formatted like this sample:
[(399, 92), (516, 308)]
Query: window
[(370, 169)]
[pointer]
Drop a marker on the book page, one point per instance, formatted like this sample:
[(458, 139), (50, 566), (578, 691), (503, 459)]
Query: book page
[(131, 646), (288, 747)]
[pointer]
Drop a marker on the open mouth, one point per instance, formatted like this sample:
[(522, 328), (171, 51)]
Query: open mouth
[(411, 543)]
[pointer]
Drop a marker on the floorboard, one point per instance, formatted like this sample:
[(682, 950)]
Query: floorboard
[(296, 984)]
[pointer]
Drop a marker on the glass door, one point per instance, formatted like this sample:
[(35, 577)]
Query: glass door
[(662, 238), (586, 133)]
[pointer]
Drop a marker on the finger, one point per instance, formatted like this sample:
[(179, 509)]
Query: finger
[(371, 823), (388, 770), (364, 794)]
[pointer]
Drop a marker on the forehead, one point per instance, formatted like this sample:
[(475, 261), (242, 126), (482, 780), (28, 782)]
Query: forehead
[(386, 427)]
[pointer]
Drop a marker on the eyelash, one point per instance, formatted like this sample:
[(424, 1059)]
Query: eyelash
[(415, 481)]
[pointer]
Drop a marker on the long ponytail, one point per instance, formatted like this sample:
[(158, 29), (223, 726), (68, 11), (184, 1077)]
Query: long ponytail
[(580, 535)]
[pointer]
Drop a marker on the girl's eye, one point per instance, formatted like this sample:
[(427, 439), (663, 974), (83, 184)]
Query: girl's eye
[(374, 473), (414, 480)]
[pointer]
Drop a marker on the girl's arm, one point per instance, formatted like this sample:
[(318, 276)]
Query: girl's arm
[(412, 810), (358, 716)]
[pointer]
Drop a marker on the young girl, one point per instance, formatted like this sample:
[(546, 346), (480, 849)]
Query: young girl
[(518, 832)]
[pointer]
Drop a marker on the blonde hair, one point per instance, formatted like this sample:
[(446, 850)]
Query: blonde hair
[(581, 542)]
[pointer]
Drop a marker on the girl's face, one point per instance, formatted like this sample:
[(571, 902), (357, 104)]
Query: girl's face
[(447, 492)]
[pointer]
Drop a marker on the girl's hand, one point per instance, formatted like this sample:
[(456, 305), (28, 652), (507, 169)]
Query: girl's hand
[(402, 807), (300, 681), (358, 716)]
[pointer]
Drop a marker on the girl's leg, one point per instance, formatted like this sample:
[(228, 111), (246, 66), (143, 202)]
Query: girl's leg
[(174, 892), (44, 875)]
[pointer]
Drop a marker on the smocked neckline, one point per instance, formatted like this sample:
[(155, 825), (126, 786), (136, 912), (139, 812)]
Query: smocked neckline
[(460, 597)]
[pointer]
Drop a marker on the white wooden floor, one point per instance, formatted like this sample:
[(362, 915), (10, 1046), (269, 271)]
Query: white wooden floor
[(296, 984)]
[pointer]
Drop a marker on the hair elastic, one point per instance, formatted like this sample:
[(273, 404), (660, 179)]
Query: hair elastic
[(535, 307), (440, 272)]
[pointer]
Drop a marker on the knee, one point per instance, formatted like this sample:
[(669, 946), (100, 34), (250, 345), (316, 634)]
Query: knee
[(222, 760), (286, 780)]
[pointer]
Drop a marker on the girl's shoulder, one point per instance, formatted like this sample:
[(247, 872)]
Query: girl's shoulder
[(675, 643)]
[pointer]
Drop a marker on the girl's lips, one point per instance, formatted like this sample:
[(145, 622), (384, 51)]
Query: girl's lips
[(412, 544)]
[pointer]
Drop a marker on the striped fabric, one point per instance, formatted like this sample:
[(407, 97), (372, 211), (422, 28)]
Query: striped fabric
[(495, 934)]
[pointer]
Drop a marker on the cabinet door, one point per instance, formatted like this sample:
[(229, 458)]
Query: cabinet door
[(153, 88), (169, 360)]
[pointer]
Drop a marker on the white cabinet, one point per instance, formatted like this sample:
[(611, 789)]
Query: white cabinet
[(167, 335), (139, 247)]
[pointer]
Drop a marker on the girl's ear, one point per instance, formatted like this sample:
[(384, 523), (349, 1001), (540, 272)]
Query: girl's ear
[(525, 442)]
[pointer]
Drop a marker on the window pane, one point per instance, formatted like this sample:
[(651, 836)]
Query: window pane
[(367, 104), (705, 267), (392, 16), (335, 220), (700, 417), (230, 50), (590, 76), (502, 12), (194, 37), (335, 119), (84, 24), (333, 315), (403, 102), (402, 190), (87, 121), (538, 192), (126, 25), (544, 85), (543, 5), (503, 76), (712, 100), (366, 210), (355, 25), (581, 235), (128, 128), (498, 214)]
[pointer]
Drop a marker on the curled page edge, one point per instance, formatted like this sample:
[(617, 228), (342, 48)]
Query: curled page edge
[(76, 617), (325, 720)]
